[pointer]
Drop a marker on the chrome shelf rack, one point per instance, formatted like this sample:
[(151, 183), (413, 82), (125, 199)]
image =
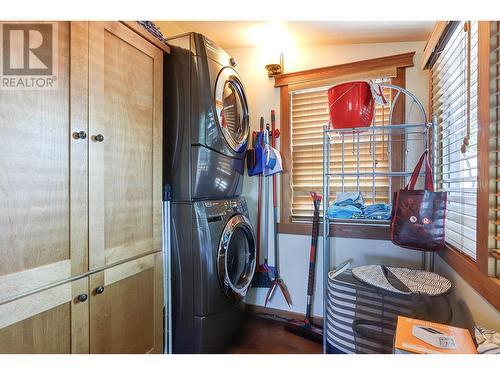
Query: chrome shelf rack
[(408, 133)]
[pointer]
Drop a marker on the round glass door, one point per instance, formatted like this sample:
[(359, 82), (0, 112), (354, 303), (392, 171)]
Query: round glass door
[(231, 109), (236, 257)]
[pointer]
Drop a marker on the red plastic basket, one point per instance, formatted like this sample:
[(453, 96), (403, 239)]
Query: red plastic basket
[(351, 105)]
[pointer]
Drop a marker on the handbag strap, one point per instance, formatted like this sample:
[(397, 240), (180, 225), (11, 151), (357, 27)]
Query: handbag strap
[(429, 181)]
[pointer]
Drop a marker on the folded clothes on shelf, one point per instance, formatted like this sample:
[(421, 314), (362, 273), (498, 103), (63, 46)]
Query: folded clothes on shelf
[(350, 205), (349, 199), (378, 211), (344, 212)]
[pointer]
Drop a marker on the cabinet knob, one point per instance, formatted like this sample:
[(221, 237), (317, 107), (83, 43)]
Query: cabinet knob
[(98, 138), (82, 297), (80, 135), (99, 290)]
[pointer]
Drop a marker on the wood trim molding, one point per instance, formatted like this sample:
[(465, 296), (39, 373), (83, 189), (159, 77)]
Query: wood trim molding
[(438, 30), (343, 230), (79, 120), (80, 317), (134, 26), (402, 60), (19, 283), (487, 287), (124, 270), (484, 222)]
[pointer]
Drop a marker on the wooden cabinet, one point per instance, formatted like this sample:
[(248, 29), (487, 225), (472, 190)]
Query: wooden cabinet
[(118, 310), (36, 246), (126, 307), (77, 211), (125, 109), (50, 321)]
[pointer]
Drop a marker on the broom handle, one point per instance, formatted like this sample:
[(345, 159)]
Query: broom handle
[(266, 217), (259, 215), (312, 255), (273, 145), (275, 201)]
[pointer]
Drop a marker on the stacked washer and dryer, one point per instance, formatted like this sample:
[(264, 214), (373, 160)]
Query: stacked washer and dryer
[(213, 243)]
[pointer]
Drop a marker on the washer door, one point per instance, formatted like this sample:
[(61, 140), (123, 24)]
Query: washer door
[(236, 257), (231, 109)]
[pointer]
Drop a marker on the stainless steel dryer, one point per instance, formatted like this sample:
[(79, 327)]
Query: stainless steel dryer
[(213, 262), (206, 120)]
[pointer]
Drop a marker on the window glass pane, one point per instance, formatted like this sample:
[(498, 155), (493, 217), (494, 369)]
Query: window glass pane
[(454, 103)]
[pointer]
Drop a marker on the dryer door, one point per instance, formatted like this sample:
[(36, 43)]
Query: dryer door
[(231, 109), (236, 257)]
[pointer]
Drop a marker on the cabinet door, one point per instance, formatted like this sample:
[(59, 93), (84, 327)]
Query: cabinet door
[(126, 307), (51, 321), (125, 110), (38, 246)]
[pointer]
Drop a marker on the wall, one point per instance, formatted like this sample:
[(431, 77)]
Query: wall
[(262, 97), (169, 28), (294, 249), (469, 307)]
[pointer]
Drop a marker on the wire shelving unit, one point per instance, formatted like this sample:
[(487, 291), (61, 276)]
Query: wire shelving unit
[(382, 141)]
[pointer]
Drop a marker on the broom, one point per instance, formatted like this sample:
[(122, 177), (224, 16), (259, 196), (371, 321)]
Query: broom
[(261, 277), (304, 327)]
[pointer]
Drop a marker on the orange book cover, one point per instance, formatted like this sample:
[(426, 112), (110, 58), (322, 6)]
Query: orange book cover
[(422, 337)]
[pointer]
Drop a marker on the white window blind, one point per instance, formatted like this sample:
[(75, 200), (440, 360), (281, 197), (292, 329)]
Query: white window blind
[(309, 114), (454, 102)]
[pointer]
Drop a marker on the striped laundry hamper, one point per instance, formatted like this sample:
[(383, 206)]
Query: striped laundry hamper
[(361, 317)]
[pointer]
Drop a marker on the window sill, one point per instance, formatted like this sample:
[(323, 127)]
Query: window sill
[(343, 230), (486, 286)]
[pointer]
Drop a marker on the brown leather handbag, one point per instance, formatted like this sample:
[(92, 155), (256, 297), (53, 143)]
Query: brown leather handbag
[(418, 216)]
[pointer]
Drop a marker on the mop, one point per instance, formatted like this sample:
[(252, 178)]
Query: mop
[(304, 327), (261, 277), (272, 169)]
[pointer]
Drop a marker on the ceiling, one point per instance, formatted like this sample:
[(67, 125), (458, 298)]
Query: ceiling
[(234, 34)]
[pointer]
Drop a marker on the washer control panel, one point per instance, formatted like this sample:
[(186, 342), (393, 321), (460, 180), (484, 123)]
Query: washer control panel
[(216, 210)]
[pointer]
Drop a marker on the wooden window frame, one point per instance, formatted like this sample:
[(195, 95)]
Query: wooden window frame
[(398, 62), (476, 273)]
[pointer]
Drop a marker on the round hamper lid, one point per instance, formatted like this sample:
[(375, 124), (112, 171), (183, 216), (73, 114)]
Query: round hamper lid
[(412, 281)]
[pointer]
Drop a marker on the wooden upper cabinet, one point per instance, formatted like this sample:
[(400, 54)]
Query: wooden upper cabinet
[(36, 232), (125, 126)]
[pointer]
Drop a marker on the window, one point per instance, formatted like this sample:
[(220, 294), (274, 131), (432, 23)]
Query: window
[(309, 114), (295, 204), (464, 96), (455, 105)]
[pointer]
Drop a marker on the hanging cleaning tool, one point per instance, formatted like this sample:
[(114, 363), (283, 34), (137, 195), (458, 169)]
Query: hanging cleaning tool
[(277, 282), (272, 157), (250, 153), (265, 139), (304, 327), (261, 277), (255, 156)]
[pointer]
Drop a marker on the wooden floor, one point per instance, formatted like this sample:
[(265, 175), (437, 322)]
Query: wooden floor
[(267, 336)]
